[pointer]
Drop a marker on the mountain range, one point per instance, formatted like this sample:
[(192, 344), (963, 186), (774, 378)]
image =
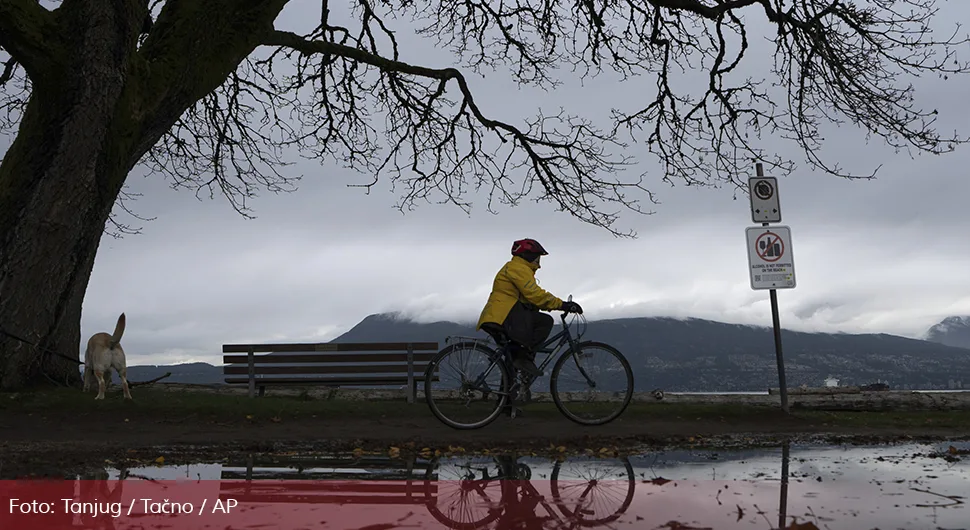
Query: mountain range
[(952, 331), (695, 355)]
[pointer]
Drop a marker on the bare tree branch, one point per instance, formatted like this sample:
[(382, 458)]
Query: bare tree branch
[(29, 34), (343, 93), (120, 228), (14, 92), (442, 142), (837, 62)]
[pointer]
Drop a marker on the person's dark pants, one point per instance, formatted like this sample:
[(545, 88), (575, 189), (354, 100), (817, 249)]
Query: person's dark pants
[(528, 327)]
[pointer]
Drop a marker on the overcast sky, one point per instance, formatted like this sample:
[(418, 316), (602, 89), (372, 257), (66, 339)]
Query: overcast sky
[(888, 255)]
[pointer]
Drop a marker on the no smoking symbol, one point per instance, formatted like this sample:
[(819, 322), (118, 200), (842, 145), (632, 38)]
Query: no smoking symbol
[(763, 190), (770, 247)]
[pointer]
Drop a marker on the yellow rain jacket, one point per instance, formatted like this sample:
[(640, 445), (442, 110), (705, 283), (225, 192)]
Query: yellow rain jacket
[(516, 281)]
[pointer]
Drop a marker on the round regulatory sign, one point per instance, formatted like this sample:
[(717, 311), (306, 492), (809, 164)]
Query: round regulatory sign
[(764, 190)]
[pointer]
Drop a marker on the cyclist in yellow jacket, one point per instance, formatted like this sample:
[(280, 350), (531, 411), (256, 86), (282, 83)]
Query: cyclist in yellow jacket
[(514, 305)]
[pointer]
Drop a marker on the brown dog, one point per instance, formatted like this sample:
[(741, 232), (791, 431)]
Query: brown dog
[(104, 352)]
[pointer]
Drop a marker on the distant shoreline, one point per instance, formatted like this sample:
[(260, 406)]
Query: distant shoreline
[(765, 393)]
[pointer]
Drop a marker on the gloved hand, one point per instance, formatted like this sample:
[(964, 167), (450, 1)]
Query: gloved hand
[(571, 307)]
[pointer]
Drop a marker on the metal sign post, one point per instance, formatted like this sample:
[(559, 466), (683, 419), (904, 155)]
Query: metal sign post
[(770, 261)]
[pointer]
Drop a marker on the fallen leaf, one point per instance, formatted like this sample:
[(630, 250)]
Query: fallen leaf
[(160, 460)]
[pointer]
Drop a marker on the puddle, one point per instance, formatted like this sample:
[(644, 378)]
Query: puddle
[(853, 487)]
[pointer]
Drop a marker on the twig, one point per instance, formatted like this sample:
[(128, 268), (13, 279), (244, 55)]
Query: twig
[(956, 500), (151, 381), (142, 477)]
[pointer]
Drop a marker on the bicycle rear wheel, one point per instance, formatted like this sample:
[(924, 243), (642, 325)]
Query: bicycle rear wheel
[(464, 493), (466, 385), (589, 391)]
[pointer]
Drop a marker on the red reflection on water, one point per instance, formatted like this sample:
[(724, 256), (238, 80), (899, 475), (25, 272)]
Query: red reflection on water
[(457, 504)]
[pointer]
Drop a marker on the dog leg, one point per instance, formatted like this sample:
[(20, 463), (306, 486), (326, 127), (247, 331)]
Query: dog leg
[(123, 374), (100, 375)]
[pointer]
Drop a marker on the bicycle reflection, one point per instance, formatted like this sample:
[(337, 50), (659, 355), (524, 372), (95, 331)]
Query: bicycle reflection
[(475, 492)]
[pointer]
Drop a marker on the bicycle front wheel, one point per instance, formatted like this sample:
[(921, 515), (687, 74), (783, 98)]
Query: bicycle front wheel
[(593, 492), (593, 384), (466, 385)]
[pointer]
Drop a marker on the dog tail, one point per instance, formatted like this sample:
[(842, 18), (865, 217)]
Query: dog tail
[(119, 331)]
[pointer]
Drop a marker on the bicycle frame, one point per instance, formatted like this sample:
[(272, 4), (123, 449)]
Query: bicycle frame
[(511, 483), (561, 338)]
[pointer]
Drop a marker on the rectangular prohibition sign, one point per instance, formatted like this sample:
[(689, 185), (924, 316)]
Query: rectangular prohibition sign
[(770, 259)]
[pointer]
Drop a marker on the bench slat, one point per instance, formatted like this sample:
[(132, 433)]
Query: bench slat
[(262, 487), (306, 475), (330, 346), (328, 358), (324, 369), (367, 462), (418, 497), (328, 380)]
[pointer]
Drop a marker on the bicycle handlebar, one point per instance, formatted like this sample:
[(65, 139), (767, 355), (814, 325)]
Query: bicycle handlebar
[(564, 313)]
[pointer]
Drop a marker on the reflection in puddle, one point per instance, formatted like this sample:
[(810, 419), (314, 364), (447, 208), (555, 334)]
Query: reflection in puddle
[(805, 487)]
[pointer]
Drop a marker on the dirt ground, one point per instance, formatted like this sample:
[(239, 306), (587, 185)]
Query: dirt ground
[(106, 432)]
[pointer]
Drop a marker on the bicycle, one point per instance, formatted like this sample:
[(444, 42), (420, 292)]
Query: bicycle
[(505, 391), (479, 491)]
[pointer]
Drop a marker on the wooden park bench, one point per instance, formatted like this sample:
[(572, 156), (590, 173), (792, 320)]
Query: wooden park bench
[(329, 480), (329, 364)]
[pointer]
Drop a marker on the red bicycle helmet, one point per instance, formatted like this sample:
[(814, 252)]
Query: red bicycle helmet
[(528, 246)]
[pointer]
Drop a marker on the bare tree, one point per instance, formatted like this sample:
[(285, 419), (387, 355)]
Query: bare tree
[(214, 96)]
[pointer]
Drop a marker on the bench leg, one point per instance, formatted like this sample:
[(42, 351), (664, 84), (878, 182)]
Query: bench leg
[(412, 387)]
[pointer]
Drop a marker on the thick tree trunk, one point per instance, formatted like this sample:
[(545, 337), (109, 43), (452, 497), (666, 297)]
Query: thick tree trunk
[(58, 183), (98, 104)]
